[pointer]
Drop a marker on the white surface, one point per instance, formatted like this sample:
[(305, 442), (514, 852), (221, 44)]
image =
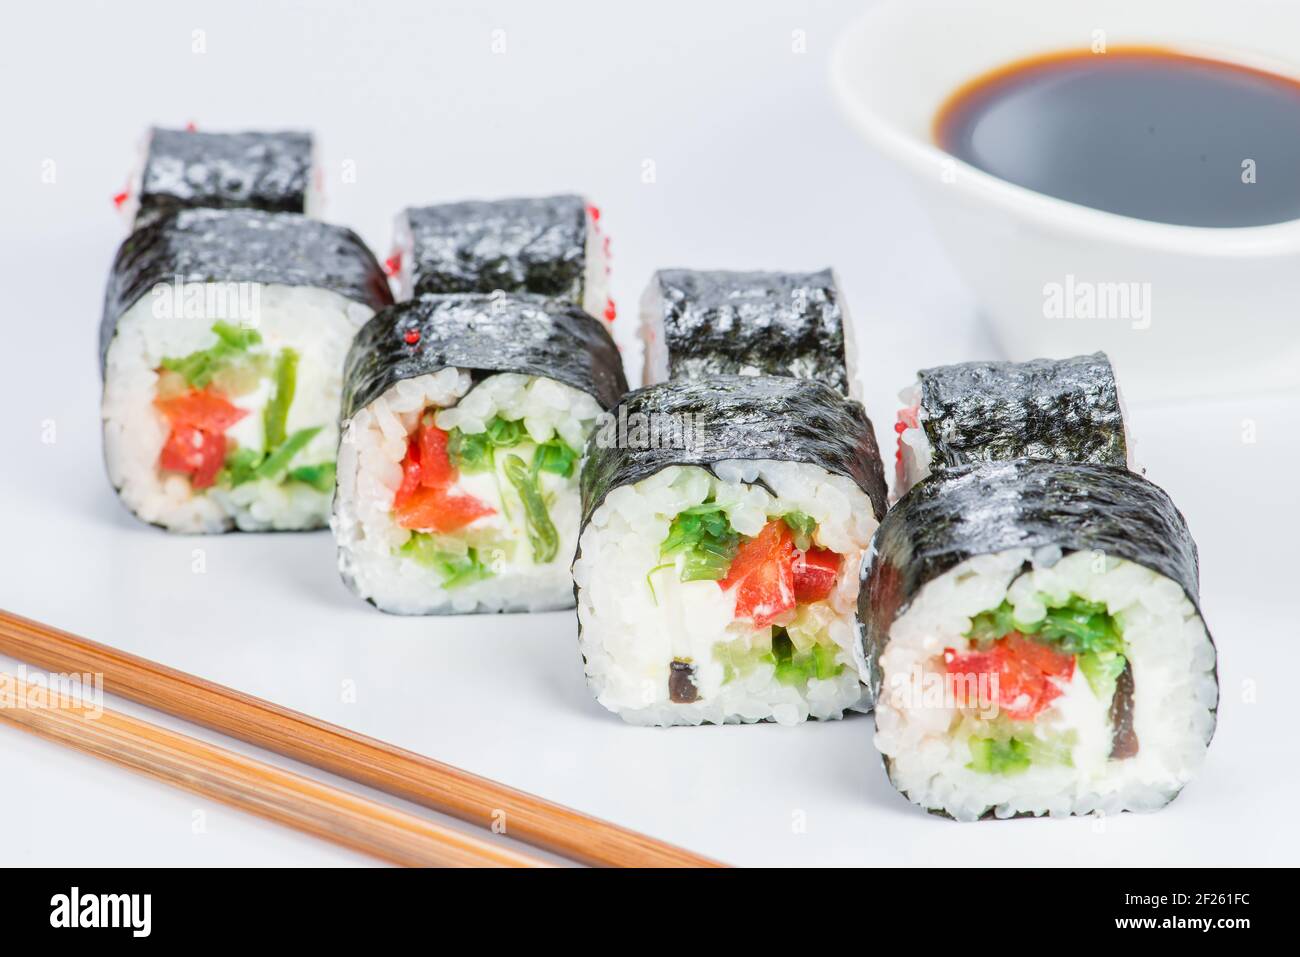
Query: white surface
[(755, 168), (893, 72)]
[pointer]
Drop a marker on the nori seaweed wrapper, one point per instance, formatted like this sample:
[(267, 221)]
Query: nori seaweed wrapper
[(186, 169), (983, 509), (240, 245), (485, 334), (535, 245), (1062, 410), (764, 323), (739, 417)]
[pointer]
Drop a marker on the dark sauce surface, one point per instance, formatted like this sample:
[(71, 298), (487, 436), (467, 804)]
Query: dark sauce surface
[(1141, 132)]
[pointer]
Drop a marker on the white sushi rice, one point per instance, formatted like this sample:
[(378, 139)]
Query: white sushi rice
[(1175, 691), (595, 280), (630, 635), (369, 472), (318, 323)]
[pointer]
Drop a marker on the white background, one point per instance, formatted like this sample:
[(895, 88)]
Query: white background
[(753, 169)]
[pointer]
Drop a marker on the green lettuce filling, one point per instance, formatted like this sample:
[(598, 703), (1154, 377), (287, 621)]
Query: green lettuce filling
[(802, 526), (476, 451), (556, 457), (469, 453), (199, 368), (704, 539)]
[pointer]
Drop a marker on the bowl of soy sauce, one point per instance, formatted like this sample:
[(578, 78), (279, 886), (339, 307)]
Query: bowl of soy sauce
[(1104, 175)]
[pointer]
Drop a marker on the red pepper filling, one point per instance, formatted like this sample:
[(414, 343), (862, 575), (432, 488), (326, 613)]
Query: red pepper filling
[(1025, 671), (195, 453), (424, 500), (197, 444), (771, 576), (815, 572)]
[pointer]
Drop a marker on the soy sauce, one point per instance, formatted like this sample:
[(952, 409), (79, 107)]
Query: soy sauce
[(1142, 132)]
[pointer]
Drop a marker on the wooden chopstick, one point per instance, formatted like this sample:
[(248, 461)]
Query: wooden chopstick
[(329, 747), (250, 785)]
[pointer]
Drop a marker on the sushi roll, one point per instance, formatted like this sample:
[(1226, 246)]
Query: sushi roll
[(717, 573), (1035, 642), (549, 246), (221, 348), (701, 324), (186, 169), (1061, 410), (465, 420)]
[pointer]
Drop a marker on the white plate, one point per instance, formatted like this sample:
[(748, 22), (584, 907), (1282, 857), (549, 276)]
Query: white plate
[(754, 169)]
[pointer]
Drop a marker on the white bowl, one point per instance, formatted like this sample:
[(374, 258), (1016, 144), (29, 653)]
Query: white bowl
[(1223, 305)]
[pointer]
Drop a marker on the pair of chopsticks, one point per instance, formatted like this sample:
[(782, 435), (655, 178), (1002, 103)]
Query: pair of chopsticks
[(292, 799)]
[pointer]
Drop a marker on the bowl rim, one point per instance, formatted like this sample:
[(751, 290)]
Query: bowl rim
[(924, 159)]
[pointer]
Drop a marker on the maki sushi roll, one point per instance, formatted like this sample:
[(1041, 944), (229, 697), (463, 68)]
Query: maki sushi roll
[(1035, 642), (465, 419), (550, 246), (701, 324), (186, 169), (1061, 410), (717, 573), (221, 348)]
